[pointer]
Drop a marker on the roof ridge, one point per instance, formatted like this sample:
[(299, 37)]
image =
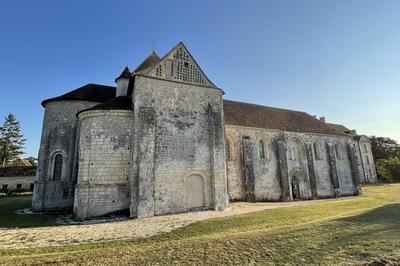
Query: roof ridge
[(265, 106)]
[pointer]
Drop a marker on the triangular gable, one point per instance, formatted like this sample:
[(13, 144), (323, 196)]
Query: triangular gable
[(179, 65)]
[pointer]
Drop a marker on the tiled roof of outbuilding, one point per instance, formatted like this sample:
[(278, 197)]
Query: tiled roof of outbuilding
[(252, 115), (89, 92), (17, 171)]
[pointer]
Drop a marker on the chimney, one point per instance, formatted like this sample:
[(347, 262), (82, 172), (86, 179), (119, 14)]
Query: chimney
[(322, 119)]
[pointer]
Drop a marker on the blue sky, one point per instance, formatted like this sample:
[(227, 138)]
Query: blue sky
[(339, 59)]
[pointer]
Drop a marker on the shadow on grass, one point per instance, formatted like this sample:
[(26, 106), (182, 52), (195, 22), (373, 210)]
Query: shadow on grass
[(366, 237), (385, 215)]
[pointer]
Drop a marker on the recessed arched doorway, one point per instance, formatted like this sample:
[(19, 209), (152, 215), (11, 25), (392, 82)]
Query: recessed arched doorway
[(195, 192), (295, 185)]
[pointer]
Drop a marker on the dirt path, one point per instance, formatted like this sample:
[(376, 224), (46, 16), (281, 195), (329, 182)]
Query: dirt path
[(122, 230)]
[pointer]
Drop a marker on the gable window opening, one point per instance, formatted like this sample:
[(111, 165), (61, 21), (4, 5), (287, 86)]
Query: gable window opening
[(58, 161)]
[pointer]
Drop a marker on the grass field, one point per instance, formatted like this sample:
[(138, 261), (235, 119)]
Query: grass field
[(8, 217), (353, 230)]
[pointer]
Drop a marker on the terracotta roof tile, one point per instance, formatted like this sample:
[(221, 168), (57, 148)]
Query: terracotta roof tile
[(252, 115)]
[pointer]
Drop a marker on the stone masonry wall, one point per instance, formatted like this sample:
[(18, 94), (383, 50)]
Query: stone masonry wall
[(104, 162), (267, 172), (58, 137), (180, 145), (267, 183)]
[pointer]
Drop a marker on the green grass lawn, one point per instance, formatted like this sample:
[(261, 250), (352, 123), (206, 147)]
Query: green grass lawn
[(8, 217), (353, 230)]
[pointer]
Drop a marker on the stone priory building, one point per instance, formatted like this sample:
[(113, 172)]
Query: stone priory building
[(165, 141)]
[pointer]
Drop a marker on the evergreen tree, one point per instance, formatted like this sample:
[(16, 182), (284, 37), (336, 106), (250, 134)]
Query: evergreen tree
[(11, 141)]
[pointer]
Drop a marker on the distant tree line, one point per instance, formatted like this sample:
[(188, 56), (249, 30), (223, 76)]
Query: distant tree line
[(12, 144), (386, 153)]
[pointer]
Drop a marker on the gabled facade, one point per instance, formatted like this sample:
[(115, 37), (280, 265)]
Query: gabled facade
[(164, 141)]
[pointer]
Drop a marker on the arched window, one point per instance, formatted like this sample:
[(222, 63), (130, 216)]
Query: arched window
[(365, 148), (317, 151), (338, 151), (58, 163), (261, 149), (227, 149)]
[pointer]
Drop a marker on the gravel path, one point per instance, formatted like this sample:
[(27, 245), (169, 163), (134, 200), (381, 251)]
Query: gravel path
[(122, 230)]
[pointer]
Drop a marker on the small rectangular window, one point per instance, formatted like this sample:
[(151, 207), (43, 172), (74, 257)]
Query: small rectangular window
[(31, 186), (5, 186), (19, 186)]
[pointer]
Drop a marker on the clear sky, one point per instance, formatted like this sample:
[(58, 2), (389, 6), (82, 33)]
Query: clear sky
[(338, 59)]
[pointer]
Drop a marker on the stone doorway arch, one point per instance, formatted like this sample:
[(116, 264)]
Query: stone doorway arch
[(195, 198)]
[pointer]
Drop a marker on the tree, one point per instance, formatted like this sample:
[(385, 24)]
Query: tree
[(389, 169), (11, 140), (384, 148)]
